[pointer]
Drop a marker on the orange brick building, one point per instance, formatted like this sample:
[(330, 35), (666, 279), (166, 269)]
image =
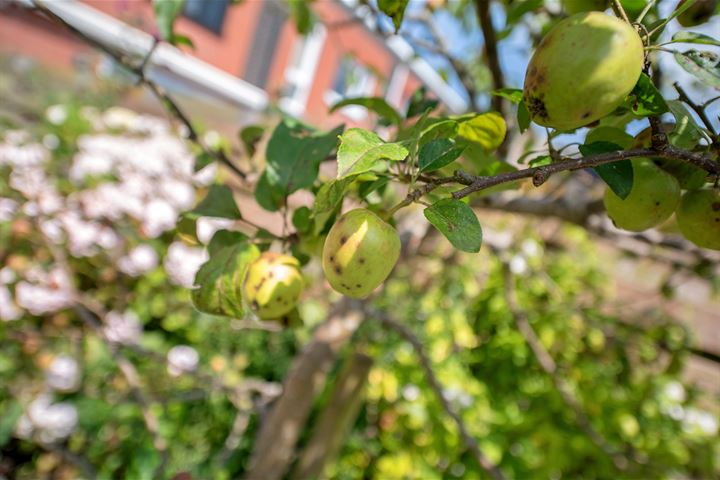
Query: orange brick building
[(251, 52)]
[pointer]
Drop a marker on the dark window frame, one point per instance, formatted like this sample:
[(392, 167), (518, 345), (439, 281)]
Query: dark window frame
[(210, 24)]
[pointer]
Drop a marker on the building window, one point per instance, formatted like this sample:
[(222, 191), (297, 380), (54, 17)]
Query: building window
[(352, 79), (267, 34), (208, 13), (300, 71)]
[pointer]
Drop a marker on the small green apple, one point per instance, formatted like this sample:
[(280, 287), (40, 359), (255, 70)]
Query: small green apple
[(360, 251), (699, 217), (653, 198), (273, 285)]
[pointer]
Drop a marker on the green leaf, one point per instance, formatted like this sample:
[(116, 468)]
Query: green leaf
[(249, 136), (647, 98), (178, 39), (166, 11), (420, 103), (218, 202), (687, 133), (202, 160), (301, 15), (618, 175), (268, 197), (219, 281), (328, 200), (438, 153), (486, 129), (457, 221), (540, 161), (293, 154), (376, 104), (440, 128), (394, 9), (704, 65), (301, 219), (693, 37), (360, 150), (8, 420), (513, 94), (523, 117), (225, 238), (366, 188), (618, 136), (516, 10)]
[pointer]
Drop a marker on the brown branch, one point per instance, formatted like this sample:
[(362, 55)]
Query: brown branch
[(482, 8), (336, 418), (139, 70), (470, 443), (274, 447), (540, 175)]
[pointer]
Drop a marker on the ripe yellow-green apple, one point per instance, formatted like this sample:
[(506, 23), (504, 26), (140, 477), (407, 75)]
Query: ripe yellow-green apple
[(273, 285), (698, 217), (360, 251), (572, 7), (653, 198), (700, 12), (582, 70)]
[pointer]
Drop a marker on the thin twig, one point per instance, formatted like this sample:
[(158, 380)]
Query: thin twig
[(645, 11), (696, 108), (441, 47), (620, 10), (470, 443), (482, 8)]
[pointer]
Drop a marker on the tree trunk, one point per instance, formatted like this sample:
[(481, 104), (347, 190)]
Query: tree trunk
[(336, 419)]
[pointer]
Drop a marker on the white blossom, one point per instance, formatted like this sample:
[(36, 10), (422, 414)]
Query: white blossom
[(182, 263), (56, 114), (63, 374), (123, 328), (159, 216), (518, 265), (119, 118), (8, 208), (207, 226), (48, 292), (47, 421), (51, 141), (139, 260), (8, 310), (182, 359)]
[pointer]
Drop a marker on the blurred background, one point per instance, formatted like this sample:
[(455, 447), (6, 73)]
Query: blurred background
[(570, 349)]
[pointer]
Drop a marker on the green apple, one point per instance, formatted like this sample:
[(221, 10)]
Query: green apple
[(360, 251), (572, 7), (582, 70), (273, 284), (699, 13), (653, 198), (699, 217)]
